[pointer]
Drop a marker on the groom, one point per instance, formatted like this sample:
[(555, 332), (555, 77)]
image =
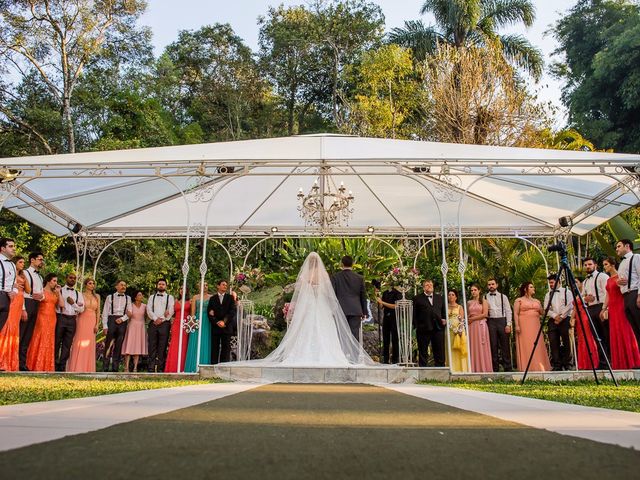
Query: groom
[(349, 288)]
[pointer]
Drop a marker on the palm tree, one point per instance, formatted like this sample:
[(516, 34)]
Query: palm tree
[(473, 23)]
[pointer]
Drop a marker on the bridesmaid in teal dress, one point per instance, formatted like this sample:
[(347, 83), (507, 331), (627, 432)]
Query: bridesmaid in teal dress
[(205, 336)]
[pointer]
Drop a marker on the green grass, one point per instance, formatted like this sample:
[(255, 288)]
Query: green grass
[(36, 388), (606, 395)]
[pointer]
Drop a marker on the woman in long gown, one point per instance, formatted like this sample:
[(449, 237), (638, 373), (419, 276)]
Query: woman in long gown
[(10, 334), (83, 349), (41, 353), (526, 316), (457, 336), (177, 331), (479, 346), (582, 337), (197, 305), (622, 341), (135, 339)]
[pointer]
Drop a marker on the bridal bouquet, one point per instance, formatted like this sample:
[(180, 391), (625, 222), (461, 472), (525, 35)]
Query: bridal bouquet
[(402, 277), (248, 279)]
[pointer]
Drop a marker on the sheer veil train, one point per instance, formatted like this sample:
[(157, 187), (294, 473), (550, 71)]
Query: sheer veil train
[(318, 332)]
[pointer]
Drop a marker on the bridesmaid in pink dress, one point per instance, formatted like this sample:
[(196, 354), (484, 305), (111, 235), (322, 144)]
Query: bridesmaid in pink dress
[(526, 315), (83, 349), (10, 333), (171, 365), (622, 341), (479, 347), (135, 340)]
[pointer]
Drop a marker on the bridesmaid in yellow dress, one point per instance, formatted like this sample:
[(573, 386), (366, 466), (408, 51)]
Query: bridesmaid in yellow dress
[(457, 336), (83, 349), (41, 353), (10, 334), (527, 311)]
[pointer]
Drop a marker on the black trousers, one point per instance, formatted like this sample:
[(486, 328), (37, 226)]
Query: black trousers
[(5, 302), (220, 347), (115, 334), (354, 324), (26, 329), (560, 357), (633, 312), (602, 330), (390, 339), (65, 330), (499, 342), (436, 339), (158, 341)]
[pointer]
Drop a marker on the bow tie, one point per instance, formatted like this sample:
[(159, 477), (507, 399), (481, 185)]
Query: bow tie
[(590, 275), (492, 294), (430, 295), (160, 294), (121, 294)]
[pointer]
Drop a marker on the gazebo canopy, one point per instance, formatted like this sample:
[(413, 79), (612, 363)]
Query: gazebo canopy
[(249, 188)]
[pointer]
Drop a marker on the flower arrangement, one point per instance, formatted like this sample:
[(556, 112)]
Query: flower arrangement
[(402, 277), (248, 279)]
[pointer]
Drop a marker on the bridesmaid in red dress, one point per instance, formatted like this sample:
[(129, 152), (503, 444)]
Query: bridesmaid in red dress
[(583, 353), (624, 348), (10, 334), (41, 353), (172, 358), (83, 349)]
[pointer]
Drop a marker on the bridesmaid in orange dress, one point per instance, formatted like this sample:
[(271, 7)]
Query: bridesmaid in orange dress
[(171, 365), (41, 353), (526, 314), (83, 349), (10, 334)]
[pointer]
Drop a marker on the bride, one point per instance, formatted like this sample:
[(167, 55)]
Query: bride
[(318, 332)]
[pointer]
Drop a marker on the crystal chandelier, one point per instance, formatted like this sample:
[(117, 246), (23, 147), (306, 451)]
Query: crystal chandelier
[(325, 207)]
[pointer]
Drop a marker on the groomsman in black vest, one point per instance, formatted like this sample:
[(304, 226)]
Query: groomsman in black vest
[(222, 315), (499, 322), (629, 283), (31, 303), (70, 305), (160, 309), (115, 314), (429, 320), (594, 294)]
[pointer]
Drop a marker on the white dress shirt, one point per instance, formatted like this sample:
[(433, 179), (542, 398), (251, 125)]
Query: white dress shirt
[(7, 275), (562, 303), (115, 304), (158, 304), (595, 284), (499, 306), (65, 307), (633, 277), (34, 280)]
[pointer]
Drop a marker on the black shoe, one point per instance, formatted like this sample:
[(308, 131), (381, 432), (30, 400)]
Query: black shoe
[(24, 369)]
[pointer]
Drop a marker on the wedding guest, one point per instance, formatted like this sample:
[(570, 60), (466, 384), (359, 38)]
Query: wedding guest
[(457, 335), (629, 283), (479, 346), (583, 332), (135, 340), (558, 325), (7, 277), (594, 293), (222, 315), (83, 349), (31, 303), (389, 326), (624, 348), (526, 316), (499, 322), (199, 304), (429, 320), (71, 304), (115, 314), (10, 333), (41, 353), (160, 309), (177, 331)]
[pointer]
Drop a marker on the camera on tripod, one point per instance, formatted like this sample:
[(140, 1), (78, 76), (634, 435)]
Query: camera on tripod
[(559, 247)]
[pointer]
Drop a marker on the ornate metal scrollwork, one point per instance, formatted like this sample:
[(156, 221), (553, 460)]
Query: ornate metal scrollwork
[(448, 189), (238, 247)]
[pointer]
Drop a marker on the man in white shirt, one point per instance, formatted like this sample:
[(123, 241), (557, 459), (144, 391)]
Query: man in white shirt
[(499, 323), (629, 283), (559, 324), (70, 304), (115, 313), (160, 309), (594, 293), (31, 303), (7, 277)]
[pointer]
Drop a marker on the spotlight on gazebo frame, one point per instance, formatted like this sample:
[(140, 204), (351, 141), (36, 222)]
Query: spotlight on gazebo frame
[(371, 229)]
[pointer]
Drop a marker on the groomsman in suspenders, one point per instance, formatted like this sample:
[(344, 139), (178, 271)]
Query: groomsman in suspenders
[(629, 283), (31, 303), (558, 326), (7, 277), (594, 293), (159, 310), (71, 304), (115, 313), (499, 323)]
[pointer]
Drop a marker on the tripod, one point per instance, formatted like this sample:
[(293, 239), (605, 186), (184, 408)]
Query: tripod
[(561, 248)]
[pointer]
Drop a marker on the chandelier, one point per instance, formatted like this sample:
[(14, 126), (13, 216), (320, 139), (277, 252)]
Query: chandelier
[(325, 207)]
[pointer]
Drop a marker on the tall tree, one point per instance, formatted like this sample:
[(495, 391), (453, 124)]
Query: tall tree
[(473, 23)]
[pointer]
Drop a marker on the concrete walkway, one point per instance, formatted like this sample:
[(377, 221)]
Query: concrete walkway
[(31, 423), (599, 424)]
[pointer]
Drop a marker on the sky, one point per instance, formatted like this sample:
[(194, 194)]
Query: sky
[(167, 17)]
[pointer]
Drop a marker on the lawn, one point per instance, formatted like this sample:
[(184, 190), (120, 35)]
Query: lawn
[(39, 388), (605, 395)]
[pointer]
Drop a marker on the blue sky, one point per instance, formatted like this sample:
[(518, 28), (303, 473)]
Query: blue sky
[(168, 17)]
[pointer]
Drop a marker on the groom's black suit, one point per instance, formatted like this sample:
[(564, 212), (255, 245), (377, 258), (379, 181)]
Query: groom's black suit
[(427, 320), (224, 311), (351, 293)]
